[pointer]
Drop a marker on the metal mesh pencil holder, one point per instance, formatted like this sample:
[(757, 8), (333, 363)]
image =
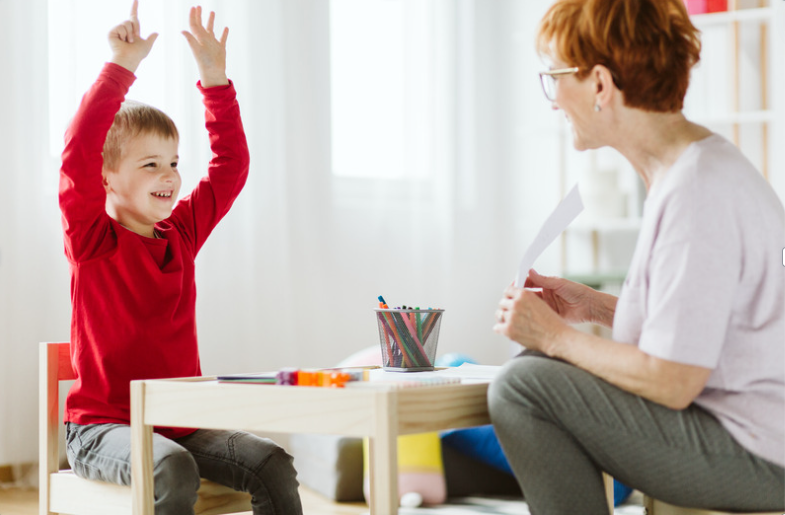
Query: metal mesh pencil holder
[(408, 338)]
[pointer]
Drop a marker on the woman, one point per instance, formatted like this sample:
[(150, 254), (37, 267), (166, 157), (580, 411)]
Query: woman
[(686, 402)]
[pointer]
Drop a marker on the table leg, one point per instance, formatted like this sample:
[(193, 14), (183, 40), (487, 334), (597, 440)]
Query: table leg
[(141, 455), (607, 481), (383, 446)]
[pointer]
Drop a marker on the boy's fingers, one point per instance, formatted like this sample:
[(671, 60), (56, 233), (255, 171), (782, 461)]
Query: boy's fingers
[(224, 36), (134, 9), (137, 29), (196, 21), (128, 31), (192, 42), (210, 22), (151, 39), (121, 32)]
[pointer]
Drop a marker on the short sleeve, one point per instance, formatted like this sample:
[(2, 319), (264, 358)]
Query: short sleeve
[(694, 269)]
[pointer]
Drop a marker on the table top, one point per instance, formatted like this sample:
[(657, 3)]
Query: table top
[(208, 403)]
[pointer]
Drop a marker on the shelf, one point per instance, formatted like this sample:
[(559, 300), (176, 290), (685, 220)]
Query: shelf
[(598, 280), (742, 15)]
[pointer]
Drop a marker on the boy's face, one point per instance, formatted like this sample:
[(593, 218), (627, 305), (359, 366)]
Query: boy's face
[(144, 188)]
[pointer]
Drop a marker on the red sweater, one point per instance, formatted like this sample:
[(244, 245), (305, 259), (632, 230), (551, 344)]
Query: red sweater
[(133, 298)]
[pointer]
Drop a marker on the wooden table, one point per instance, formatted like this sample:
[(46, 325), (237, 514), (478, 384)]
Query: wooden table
[(380, 413)]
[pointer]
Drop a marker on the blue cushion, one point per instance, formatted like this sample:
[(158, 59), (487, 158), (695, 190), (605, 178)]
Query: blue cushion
[(620, 492), (479, 443)]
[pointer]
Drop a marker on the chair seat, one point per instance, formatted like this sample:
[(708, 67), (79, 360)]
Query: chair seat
[(655, 507), (68, 493)]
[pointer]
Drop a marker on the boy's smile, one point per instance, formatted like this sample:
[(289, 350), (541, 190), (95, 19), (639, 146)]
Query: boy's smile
[(143, 189)]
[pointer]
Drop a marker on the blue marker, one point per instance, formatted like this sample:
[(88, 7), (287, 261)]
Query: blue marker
[(381, 299)]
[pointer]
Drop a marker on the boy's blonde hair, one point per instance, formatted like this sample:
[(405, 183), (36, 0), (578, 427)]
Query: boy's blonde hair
[(135, 118)]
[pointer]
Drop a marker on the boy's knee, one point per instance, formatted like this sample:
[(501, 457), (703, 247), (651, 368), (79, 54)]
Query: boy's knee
[(278, 489), (176, 477), (279, 465)]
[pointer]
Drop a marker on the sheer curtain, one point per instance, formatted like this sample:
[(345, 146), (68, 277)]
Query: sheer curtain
[(290, 277), (34, 295)]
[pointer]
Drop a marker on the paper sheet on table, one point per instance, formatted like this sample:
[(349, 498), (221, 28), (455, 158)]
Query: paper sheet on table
[(569, 208), (467, 373)]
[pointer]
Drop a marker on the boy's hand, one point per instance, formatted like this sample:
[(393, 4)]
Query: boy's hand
[(209, 52), (128, 46)]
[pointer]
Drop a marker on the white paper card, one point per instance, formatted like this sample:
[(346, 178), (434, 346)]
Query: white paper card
[(569, 208)]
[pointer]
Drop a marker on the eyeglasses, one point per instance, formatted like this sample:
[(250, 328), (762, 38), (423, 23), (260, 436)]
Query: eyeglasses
[(548, 80)]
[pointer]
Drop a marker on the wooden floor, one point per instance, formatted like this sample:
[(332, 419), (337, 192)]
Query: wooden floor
[(25, 502)]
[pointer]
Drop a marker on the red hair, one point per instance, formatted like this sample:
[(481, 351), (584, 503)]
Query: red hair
[(649, 46)]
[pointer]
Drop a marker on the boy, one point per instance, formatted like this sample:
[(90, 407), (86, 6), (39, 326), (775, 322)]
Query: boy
[(131, 252)]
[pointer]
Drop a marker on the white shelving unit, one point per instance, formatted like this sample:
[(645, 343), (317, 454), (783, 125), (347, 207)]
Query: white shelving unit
[(731, 90)]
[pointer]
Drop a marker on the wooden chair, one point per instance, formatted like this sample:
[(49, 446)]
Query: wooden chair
[(61, 491), (655, 507)]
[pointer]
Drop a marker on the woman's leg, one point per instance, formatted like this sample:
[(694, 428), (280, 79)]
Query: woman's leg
[(103, 452), (250, 464), (561, 426)]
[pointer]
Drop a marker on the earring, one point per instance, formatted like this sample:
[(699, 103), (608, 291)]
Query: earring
[(597, 108)]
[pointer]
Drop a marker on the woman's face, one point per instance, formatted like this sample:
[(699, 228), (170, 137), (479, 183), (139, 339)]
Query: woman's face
[(576, 98)]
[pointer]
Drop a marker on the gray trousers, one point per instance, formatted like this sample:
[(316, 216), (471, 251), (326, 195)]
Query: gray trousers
[(561, 426), (235, 459)]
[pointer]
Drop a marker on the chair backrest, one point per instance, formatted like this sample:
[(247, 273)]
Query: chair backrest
[(54, 366)]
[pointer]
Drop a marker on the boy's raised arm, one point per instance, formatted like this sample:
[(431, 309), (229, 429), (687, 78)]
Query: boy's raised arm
[(82, 193), (209, 52), (198, 213)]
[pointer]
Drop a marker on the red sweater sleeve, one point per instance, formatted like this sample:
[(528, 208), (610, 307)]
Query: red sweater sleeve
[(197, 214), (82, 195)]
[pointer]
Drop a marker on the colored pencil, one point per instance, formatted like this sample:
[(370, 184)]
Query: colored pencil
[(413, 333)]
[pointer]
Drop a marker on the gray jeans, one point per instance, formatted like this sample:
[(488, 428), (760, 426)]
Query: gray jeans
[(235, 459), (560, 426)]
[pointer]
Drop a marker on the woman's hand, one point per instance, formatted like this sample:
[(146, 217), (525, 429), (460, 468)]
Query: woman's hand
[(574, 302), (209, 52), (524, 317), (569, 299)]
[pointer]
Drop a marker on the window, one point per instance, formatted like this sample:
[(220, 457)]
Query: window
[(381, 76)]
